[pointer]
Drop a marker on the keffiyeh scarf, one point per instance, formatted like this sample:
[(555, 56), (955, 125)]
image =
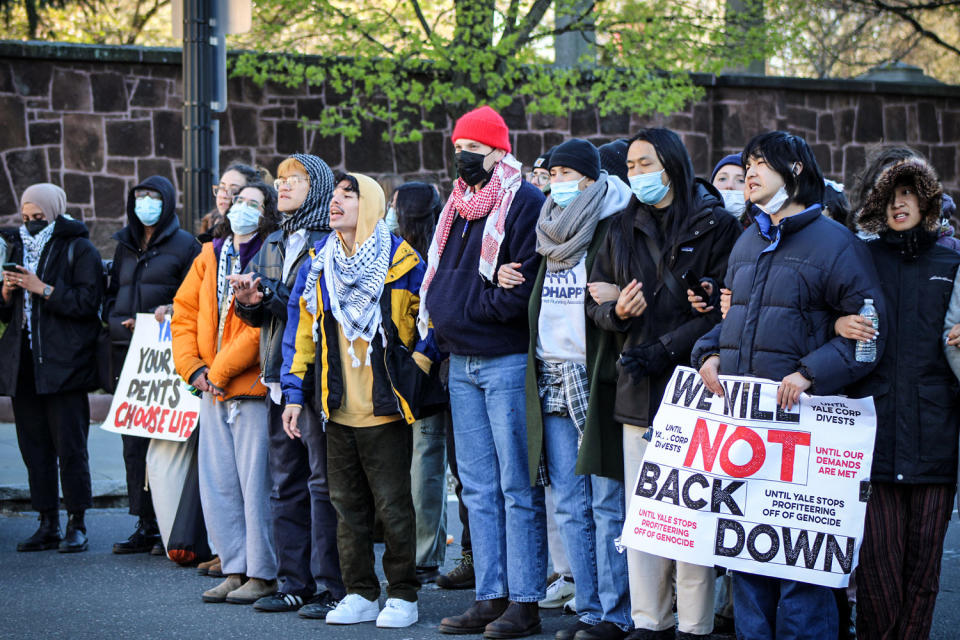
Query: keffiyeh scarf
[(314, 213), (493, 201), (354, 284), (224, 288), (33, 247)]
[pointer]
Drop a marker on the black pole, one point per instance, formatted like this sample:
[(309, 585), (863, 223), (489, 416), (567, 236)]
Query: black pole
[(199, 142)]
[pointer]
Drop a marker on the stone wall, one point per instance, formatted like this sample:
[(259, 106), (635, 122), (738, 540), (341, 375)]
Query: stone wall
[(98, 119)]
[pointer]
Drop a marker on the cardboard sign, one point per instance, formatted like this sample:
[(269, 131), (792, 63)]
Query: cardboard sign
[(735, 481), (151, 400)]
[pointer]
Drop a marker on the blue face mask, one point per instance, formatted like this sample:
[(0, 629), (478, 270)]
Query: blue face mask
[(148, 210), (393, 224), (243, 218), (563, 193), (649, 187)]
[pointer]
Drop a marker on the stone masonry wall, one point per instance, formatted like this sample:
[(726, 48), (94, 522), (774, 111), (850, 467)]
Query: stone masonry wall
[(98, 119)]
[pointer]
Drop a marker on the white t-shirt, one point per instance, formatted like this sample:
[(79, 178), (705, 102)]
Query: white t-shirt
[(562, 327)]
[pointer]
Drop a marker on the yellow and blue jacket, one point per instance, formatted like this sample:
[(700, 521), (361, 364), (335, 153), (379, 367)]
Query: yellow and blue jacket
[(314, 369)]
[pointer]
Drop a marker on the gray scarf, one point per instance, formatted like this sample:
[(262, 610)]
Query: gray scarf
[(564, 233)]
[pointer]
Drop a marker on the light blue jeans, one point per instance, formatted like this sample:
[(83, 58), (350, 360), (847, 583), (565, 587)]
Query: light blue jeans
[(507, 518), (428, 484), (590, 513)]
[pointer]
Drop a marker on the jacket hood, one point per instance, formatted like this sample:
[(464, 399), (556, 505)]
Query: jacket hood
[(372, 207), (168, 215), (872, 218), (617, 197), (67, 227)]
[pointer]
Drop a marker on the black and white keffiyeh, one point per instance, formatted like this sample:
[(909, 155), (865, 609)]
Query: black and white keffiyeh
[(314, 213), (224, 288), (33, 247), (354, 284)]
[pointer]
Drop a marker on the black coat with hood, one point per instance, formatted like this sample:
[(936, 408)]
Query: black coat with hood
[(705, 237), (65, 326), (143, 278), (915, 391)]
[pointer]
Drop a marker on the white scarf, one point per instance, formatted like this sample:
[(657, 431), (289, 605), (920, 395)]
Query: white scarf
[(224, 288), (354, 284), (33, 247)]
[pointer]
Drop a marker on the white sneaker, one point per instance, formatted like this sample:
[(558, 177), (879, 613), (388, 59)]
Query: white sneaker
[(352, 609), (397, 613), (559, 592)]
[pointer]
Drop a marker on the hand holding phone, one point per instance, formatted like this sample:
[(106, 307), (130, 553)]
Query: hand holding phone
[(693, 283)]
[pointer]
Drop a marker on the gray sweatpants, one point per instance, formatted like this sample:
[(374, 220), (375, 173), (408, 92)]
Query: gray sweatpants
[(235, 484)]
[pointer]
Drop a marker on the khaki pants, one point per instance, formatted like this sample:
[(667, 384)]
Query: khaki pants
[(652, 577)]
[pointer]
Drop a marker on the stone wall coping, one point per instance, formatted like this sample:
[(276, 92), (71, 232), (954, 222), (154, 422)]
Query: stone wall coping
[(62, 51)]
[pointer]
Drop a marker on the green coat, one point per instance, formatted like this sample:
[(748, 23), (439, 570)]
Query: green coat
[(601, 451)]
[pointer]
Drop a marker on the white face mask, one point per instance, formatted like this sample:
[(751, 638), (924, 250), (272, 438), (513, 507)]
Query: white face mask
[(393, 224), (776, 202), (244, 219), (733, 200)]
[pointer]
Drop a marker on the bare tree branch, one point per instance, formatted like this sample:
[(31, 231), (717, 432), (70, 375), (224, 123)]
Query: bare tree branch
[(913, 22), (423, 20)]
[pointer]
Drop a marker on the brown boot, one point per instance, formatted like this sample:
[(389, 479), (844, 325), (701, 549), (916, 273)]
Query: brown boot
[(252, 590), (216, 571), (474, 619), (204, 567), (219, 592), (521, 619)]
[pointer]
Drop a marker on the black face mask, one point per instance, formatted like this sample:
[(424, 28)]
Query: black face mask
[(470, 167), (36, 226)]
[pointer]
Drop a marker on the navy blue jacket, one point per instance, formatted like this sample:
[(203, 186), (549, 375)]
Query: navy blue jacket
[(789, 287), (473, 317)]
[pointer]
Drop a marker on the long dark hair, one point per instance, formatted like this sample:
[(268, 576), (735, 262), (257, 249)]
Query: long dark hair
[(781, 151), (269, 218), (679, 168), (222, 228), (418, 207)]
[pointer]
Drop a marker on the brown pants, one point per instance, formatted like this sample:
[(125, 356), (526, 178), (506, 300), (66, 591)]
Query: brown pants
[(899, 572)]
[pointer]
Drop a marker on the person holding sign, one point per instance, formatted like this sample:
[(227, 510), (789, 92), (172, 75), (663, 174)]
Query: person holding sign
[(218, 354), (675, 224), (351, 336), (791, 273), (566, 385), (304, 521), (51, 296), (914, 473), (152, 258)]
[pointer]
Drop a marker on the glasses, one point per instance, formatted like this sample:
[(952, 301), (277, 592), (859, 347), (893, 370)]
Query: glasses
[(290, 181), (540, 178), (145, 193), (232, 191), (252, 202)]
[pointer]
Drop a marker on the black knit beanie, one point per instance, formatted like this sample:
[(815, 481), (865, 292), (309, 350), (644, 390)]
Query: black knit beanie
[(613, 158), (579, 155)]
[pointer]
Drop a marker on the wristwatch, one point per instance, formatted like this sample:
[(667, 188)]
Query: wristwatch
[(47, 290)]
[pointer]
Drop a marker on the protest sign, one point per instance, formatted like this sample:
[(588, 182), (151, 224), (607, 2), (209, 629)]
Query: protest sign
[(735, 481), (151, 400)]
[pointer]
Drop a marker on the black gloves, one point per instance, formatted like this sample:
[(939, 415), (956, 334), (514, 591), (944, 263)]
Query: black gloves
[(650, 359)]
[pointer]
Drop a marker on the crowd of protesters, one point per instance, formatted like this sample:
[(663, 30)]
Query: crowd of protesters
[(350, 342)]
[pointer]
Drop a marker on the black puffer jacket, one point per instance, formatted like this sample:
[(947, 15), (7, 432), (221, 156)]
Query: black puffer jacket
[(915, 391), (65, 327), (787, 293), (706, 237), (143, 279)]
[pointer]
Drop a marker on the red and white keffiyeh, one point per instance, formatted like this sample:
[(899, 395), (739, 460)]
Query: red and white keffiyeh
[(493, 201)]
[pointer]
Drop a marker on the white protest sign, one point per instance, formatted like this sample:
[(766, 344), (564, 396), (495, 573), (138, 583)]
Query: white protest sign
[(151, 400), (734, 481)]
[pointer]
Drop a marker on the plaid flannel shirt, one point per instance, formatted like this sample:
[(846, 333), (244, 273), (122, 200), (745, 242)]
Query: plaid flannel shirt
[(564, 391)]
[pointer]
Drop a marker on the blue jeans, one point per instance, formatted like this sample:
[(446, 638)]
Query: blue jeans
[(589, 512), (507, 518), (428, 484), (768, 608)]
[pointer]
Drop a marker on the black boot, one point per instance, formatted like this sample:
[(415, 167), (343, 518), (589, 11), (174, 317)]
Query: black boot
[(47, 535), (76, 538), (521, 619), (140, 541)]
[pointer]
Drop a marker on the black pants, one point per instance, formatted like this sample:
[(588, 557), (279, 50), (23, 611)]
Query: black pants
[(369, 473), (465, 544), (52, 432), (304, 521), (135, 460)]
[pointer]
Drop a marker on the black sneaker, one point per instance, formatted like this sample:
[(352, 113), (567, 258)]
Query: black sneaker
[(460, 577), (319, 606), (280, 602)]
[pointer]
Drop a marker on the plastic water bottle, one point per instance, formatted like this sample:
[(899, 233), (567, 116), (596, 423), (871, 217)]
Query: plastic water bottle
[(867, 351)]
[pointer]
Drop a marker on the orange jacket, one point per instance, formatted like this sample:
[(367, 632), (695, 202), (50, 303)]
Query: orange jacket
[(236, 367)]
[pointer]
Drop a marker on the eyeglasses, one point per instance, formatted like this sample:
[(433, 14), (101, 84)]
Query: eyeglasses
[(256, 204), (230, 190), (540, 178), (146, 193), (290, 181)]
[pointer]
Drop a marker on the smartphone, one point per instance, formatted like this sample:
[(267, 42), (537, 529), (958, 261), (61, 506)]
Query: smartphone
[(693, 283), (10, 266)]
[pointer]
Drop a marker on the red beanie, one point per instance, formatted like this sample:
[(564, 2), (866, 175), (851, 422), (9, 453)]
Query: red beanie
[(485, 126)]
